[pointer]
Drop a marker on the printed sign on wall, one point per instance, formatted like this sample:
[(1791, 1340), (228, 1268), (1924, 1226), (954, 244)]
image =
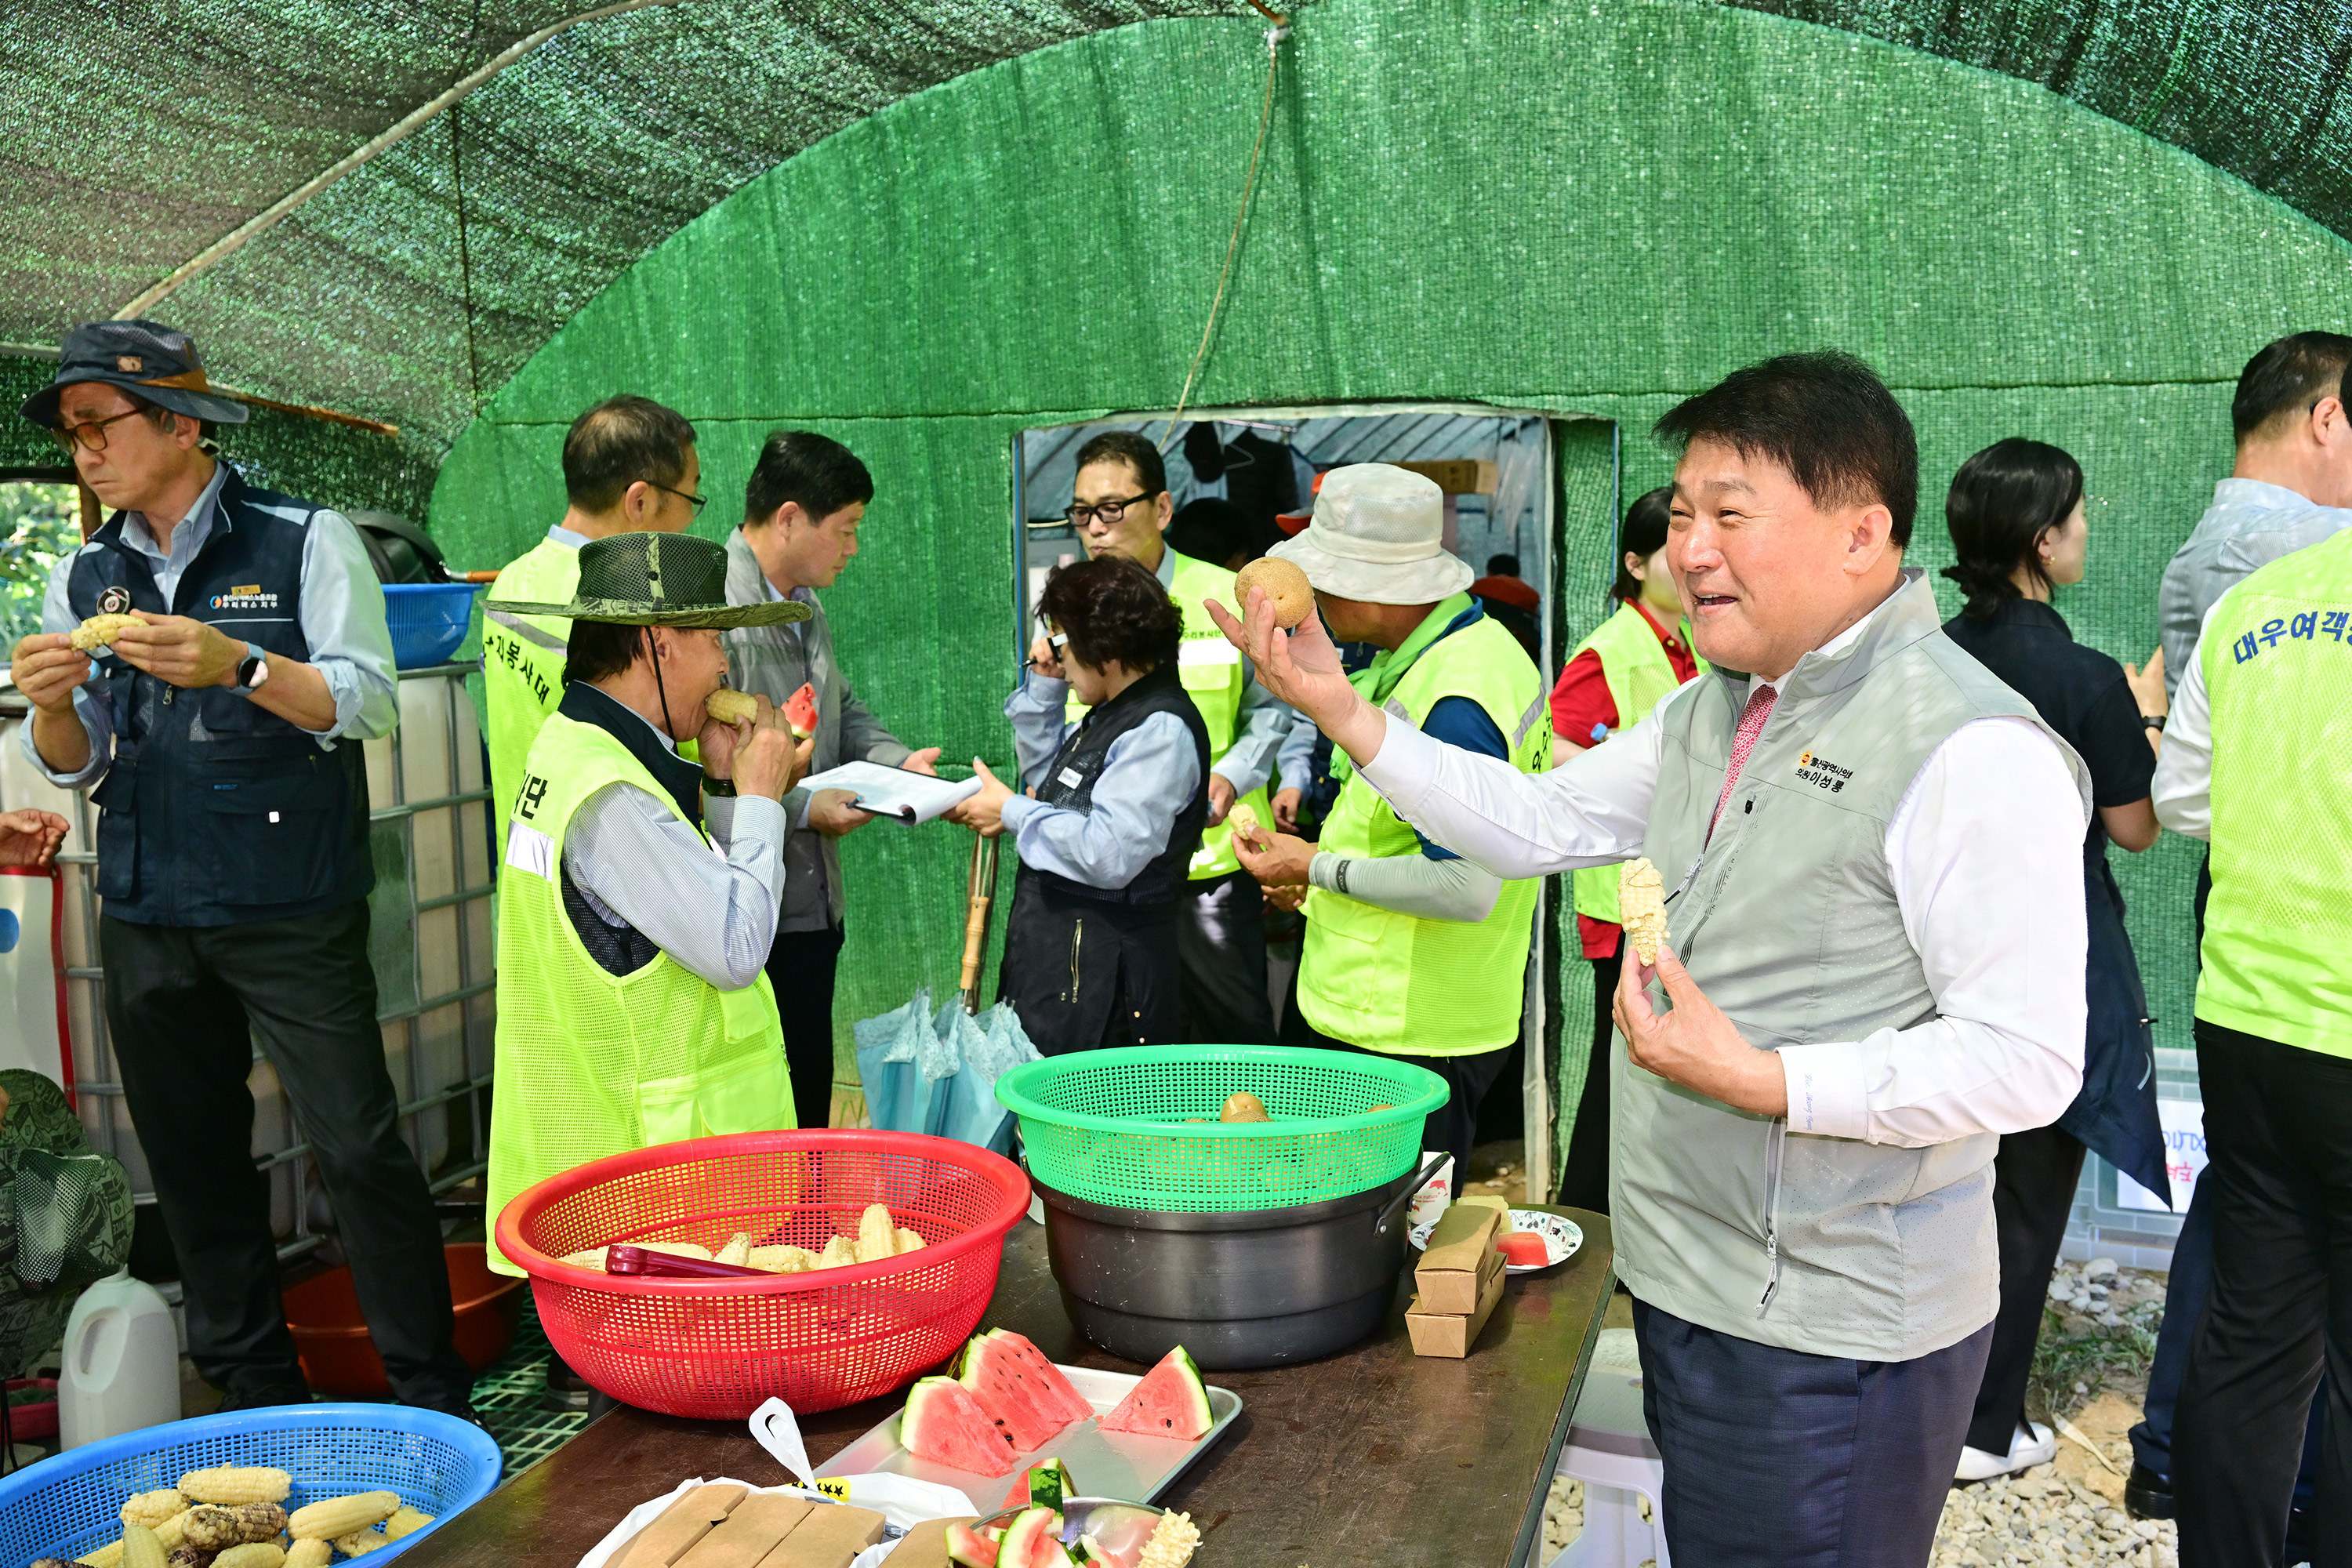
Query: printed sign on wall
[(2183, 1122)]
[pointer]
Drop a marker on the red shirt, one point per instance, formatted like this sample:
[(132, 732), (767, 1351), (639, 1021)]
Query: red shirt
[(1580, 703)]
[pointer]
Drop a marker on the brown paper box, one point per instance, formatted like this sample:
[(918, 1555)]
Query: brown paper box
[(828, 1538), (1461, 1250), (926, 1545), (679, 1526), (747, 1535), (1459, 476), (1451, 1333)]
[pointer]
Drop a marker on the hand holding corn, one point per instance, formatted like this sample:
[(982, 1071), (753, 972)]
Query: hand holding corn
[(1641, 907)]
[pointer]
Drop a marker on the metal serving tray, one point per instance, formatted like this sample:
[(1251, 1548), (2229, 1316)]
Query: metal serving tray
[(1104, 1464)]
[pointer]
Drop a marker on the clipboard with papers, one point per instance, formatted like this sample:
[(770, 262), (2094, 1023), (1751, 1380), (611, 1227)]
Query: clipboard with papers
[(895, 792)]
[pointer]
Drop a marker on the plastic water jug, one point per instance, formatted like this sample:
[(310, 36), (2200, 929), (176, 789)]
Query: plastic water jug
[(121, 1365)]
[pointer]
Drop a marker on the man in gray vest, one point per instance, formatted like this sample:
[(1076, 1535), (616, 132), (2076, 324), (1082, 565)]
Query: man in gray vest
[(1873, 968)]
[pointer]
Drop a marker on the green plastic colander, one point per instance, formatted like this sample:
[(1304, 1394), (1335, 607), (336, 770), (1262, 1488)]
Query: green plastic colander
[(1113, 1126)]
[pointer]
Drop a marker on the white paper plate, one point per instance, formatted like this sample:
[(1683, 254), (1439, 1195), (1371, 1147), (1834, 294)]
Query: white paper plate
[(1562, 1238)]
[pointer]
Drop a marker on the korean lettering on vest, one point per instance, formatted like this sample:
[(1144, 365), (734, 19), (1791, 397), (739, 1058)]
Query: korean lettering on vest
[(503, 645), (2310, 626)]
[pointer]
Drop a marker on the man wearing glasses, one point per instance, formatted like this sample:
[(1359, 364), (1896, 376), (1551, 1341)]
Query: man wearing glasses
[(222, 730), (1120, 506), (629, 466)]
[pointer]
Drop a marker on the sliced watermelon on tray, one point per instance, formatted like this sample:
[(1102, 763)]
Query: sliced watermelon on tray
[(1171, 1401), (1044, 1485), (967, 1548), (1017, 1385), (943, 1424)]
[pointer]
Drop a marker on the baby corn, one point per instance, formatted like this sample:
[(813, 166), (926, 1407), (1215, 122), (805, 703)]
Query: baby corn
[(330, 1519), (233, 1483)]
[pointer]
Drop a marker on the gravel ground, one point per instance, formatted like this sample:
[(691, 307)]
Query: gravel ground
[(2040, 1517)]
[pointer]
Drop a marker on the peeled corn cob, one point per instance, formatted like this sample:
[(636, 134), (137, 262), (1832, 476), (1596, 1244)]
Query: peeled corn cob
[(1641, 907), (1173, 1542), (140, 1548), (233, 1484), (731, 707), (876, 1237), (738, 1249), (337, 1516), (212, 1528), (907, 1241), (252, 1554), (310, 1554), (839, 1253), (360, 1542), (782, 1260), (407, 1522), (152, 1509), (191, 1557), (107, 1556), (98, 631)]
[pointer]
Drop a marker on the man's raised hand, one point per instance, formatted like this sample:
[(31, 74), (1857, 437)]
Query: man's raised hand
[(1695, 1045)]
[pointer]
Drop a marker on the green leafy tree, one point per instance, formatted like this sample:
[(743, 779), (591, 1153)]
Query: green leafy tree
[(39, 525)]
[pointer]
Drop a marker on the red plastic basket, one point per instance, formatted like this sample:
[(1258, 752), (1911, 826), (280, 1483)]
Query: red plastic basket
[(715, 1348)]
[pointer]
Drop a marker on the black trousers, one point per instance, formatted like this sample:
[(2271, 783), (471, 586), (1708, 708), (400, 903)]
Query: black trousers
[(801, 967), (185, 1004), (2278, 1134), (1221, 944), (1455, 1126), (1778, 1458), (2033, 1179), (1584, 1175)]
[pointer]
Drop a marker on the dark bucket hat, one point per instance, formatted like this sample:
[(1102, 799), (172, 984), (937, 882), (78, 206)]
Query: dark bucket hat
[(158, 363), (657, 580)]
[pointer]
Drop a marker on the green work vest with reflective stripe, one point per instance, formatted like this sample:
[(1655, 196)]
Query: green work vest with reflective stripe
[(1212, 675), (1392, 981), (2277, 660), (1639, 675), (522, 665), (590, 1063)]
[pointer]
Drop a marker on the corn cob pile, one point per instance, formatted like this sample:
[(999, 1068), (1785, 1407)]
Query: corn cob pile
[(879, 1236), (233, 1516)]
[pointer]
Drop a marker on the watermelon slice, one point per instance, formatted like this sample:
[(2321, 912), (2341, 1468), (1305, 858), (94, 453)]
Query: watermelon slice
[(1524, 1249), (968, 1548), (1048, 1482), (800, 711), (943, 1424), (1033, 1540), (1013, 1381), (1171, 1401)]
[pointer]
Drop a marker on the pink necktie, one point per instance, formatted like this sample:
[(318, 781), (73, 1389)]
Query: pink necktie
[(1751, 724)]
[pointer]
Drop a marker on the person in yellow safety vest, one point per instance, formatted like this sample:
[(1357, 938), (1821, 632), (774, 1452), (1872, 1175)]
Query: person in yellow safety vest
[(1120, 506), (1610, 683), (1409, 951), (2257, 759), (629, 466), (641, 888)]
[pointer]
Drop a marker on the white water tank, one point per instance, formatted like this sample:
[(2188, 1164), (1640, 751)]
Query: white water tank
[(121, 1369)]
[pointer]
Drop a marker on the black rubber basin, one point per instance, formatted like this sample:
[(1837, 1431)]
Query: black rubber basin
[(1251, 1288)]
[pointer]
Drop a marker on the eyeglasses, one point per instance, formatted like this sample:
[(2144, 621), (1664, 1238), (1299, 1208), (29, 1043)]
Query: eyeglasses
[(1106, 514), (697, 503), (90, 433)]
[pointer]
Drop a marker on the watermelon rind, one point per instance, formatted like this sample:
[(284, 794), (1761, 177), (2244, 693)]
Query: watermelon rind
[(968, 1548), (942, 1422), (1170, 1402), (1044, 1485), (1025, 1535)]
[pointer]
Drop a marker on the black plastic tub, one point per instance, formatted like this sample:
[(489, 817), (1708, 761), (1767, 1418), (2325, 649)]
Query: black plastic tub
[(1251, 1288)]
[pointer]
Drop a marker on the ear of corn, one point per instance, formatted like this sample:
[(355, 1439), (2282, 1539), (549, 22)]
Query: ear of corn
[(331, 1518), (1642, 906), (185, 1556), (908, 1240), (173, 1532), (152, 1509), (360, 1542), (839, 1253), (737, 1250), (140, 1548), (233, 1484), (98, 631), (310, 1554), (107, 1556), (211, 1528), (731, 707), (876, 1237), (407, 1522), (783, 1260), (252, 1554)]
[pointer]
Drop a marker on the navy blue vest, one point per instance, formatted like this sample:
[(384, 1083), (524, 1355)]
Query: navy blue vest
[(1069, 782), (215, 810)]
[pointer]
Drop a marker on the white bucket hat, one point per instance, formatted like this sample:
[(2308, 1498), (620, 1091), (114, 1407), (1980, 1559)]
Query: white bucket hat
[(1377, 536)]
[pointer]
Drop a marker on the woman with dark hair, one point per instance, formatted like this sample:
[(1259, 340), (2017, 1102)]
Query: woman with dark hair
[(1611, 682), (1113, 812), (2019, 530)]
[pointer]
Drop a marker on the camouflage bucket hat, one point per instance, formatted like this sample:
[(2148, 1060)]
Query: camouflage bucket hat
[(657, 580)]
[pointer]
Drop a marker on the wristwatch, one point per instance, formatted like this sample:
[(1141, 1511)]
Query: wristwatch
[(2153, 721), (253, 669), (718, 786)]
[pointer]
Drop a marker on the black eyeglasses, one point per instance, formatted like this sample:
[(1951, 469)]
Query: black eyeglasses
[(697, 503), (1108, 513), (90, 433)]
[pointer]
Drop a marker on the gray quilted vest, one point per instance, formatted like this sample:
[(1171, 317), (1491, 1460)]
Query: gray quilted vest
[(1790, 924)]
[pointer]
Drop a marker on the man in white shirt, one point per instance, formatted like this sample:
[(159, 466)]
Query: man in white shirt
[(1873, 968)]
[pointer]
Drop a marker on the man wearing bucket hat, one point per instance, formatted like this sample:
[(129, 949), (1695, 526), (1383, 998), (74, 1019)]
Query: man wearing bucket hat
[(1411, 951), (633, 1004), (225, 722)]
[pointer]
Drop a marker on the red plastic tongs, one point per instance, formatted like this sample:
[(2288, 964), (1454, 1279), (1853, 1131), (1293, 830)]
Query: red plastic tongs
[(646, 1264)]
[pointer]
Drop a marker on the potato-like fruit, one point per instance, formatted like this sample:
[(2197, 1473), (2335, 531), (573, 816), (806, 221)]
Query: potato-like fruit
[(1244, 1107), (1285, 588)]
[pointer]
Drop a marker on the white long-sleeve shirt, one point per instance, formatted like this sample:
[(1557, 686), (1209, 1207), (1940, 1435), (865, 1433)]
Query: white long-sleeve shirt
[(1985, 852)]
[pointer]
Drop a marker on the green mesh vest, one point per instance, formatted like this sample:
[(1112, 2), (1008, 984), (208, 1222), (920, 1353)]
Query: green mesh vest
[(1390, 981), (1639, 675), (1212, 675), (592, 1063), (2277, 661), (522, 665)]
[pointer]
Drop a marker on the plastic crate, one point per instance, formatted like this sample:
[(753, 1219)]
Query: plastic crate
[(428, 621), (71, 1504), (715, 1349), (1137, 1126)]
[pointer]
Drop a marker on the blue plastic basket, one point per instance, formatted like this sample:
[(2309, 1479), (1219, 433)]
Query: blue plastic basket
[(73, 1503), (428, 620)]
